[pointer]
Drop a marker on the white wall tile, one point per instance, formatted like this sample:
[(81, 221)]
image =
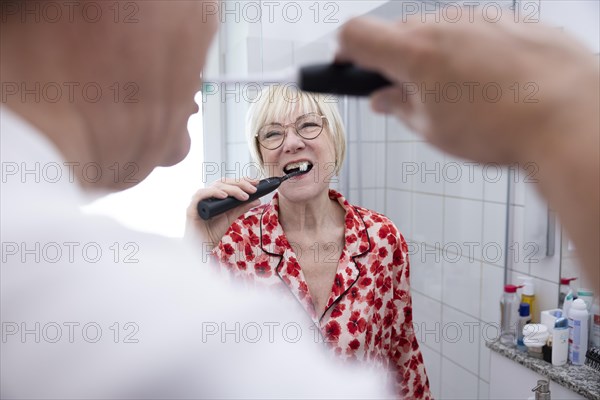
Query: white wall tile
[(492, 287), (518, 248), (457, 383), (484, 360), (518, 191), (547, 267), (427, 317), (238, 162), (397, 130), (277, 54), (462, 178), (428, 218), (461, 336), (495, 183), (398, 209), (311, 53), (426, 271), (546, 295), (433, 365), (462, 284), (373, 199), (463, 226), (368, 160), (494, 233), (429, 163), (236, 107), (372, 126), (484, 390), (400, 165)]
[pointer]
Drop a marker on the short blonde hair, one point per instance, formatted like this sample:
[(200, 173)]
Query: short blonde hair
[(274, 102)]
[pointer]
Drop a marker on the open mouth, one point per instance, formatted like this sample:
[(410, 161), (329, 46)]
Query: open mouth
[(299, 168)]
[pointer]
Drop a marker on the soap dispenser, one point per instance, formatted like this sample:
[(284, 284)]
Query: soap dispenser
[(542, 390)]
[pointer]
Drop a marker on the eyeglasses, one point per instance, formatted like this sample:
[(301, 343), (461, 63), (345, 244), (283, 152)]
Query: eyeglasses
[(308, 127)]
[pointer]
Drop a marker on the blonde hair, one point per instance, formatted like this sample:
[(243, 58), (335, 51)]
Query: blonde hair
[(275, 102)]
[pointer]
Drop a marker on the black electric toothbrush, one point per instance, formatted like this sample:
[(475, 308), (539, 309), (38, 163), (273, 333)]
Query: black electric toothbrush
[(212, 207), (335, 78)]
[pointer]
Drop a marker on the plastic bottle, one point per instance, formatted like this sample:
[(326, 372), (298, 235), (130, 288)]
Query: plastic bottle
[(528, 296), (587, 296), (509, 307), (595, 326), (524, 319), (578, 332), (565, 288), (560, 342)]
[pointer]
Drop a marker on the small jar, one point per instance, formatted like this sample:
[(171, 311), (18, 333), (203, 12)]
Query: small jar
[(535, 337)]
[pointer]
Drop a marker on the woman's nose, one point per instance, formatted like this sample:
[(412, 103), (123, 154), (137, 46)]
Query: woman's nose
[(292, 142)]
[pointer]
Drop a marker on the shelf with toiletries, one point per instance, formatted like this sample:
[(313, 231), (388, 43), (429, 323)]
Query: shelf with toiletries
[(581, 379), (554, 343)]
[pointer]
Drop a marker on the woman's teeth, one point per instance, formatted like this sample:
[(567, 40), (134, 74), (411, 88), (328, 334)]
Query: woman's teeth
[(302, 166)]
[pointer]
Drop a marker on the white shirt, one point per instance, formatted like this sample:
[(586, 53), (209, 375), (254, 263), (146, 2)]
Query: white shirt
[(90, 309)]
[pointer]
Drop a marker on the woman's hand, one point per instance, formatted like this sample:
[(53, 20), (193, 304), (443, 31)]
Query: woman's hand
[(212, 230)]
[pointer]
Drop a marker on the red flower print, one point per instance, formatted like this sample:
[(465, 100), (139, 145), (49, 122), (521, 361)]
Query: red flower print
[(351, 238), (266, 239), (398, 257), (228, 249), (302, 290), (378, 303), (253, 238), (235, 227), (419, 391), (364, 282), (338, 310), (392, 241), (293, 268), (250, 221), (338, 285), (332, 331), (383, 252), (384, 231), (354, 294), (280, 241), (248, 252), (407, 315), (349, 223), (415, 346), (387, 284), (375, 267), (401, 295), (356, 323), (370, 297), (354, 345), (236, 237), (241, 265), (263, 270), (404, 344)]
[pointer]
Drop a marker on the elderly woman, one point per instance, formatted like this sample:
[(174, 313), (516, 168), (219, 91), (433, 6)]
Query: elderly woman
[(346, 265)]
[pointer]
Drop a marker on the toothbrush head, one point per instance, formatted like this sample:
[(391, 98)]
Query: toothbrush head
[(302, 169)]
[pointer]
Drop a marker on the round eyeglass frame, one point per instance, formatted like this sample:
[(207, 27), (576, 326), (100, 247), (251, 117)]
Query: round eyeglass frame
[(293, 124)]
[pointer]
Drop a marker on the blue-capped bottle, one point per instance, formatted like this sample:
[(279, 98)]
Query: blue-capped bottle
[(524, 319)]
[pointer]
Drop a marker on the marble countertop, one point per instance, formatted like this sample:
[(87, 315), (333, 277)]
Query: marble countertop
[(581, 379)]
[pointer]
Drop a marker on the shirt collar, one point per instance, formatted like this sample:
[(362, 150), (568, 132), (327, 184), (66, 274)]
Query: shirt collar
[(34, 170), (274, 241)]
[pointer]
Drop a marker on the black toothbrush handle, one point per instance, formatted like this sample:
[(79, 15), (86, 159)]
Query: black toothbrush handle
[(212, 207), (342, 79)]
